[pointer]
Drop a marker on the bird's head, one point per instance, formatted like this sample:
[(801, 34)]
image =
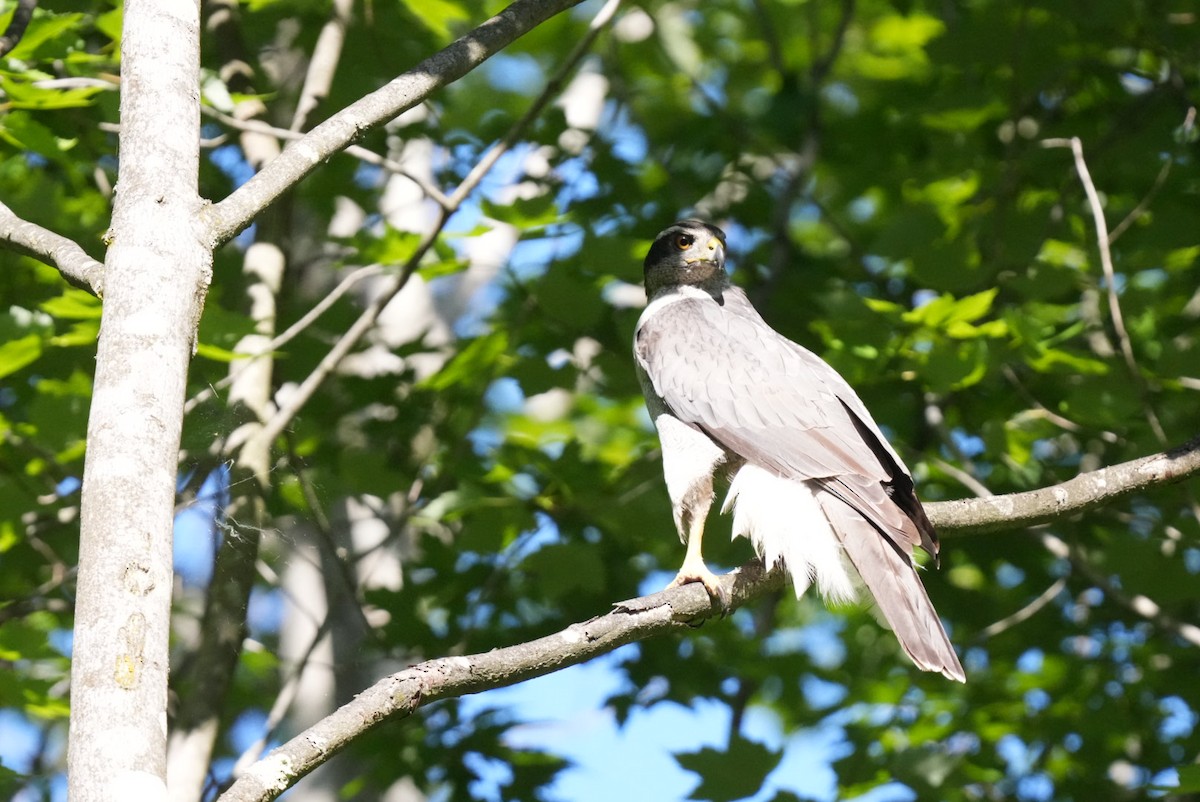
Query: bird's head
[(690, 252)]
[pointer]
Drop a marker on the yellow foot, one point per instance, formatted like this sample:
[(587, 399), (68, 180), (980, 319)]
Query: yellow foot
[(697, 571)]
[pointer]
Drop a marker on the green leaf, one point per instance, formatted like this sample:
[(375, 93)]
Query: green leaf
[(20, 130), (83, 332), (476, 362), (217, 354), (24, 95), (1063, 254), (16, 354), (964, 119), (439, 16), (44, 28), (736, 772), (73, 304), (1189, 779), (395, 247)]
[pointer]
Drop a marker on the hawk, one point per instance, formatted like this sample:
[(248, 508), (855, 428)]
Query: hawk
[(814, 484)]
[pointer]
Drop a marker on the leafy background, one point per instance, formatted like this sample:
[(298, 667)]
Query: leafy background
[(481, 472)]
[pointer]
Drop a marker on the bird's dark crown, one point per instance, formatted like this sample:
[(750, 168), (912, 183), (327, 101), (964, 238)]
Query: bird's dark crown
[(690, 252)]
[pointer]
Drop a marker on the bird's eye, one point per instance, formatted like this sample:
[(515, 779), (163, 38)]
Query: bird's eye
[(684, 241)]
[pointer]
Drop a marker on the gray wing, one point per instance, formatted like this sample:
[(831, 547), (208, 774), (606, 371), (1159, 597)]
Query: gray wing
[(722, 368), (719, 366)]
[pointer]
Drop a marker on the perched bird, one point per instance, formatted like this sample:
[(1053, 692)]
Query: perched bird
[(815, 485)]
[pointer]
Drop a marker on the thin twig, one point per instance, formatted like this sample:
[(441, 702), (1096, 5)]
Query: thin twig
[(1025, 613), (1137, 603), (767, 29), (357, 151), (283, 700), (1042, 411), (1188, 122), (400, 695), (964, 478), (1106, 265), (1078, 494), (226, 218), (824, 64), (287, 336)]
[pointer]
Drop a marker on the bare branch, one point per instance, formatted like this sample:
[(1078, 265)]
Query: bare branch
[(1188, 122), (324, 61), (292, 331), (1042, 411), (79, 269), (824, 64), (357, 151), (1140, 605), (1106, 264), (402, 693), (297, 399), (22, 14), (1079, 494), (1025, 613), (227, 218)]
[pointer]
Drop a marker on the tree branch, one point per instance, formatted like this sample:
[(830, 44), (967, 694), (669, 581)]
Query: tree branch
[(402, 693), (1079, 494), (227, 218), (58, 251), (1110, 280), (357, 151), (292, 331), (323, 64), (302, 394)]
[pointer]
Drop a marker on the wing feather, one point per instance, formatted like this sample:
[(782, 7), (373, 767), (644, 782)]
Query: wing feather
[(721, 367)]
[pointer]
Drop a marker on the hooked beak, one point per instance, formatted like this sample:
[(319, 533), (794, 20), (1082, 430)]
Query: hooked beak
[(711, 253)]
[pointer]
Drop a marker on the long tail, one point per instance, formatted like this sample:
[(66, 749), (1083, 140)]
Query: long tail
[(867, 526)]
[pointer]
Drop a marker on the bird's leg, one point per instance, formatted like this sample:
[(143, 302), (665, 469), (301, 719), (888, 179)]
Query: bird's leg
[(694, 569)]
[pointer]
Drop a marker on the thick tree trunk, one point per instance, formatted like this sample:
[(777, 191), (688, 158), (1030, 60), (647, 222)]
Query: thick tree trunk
[(156, 274)]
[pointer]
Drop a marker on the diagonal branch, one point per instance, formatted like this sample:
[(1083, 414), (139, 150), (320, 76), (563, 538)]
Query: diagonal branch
[(307, 319), (227, 218), (357, 151), (1076, 495), (55, 250), (1103, 240), (1136, 603), (297, 399), (402, 693), (324, 62)]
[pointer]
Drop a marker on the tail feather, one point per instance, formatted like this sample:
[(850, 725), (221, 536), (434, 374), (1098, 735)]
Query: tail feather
[(886, 568)]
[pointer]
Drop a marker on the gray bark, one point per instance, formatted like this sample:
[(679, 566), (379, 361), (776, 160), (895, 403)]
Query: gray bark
[(156, 274)]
